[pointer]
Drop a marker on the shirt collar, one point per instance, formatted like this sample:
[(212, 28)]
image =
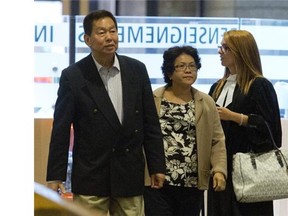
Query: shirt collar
[(115, 63), (232, 77)]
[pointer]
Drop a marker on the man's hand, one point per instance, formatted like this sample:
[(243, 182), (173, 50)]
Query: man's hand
[(57, 186), (219, 182), (157, 180)]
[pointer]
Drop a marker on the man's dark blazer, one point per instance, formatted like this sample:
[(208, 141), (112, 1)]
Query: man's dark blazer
[(108, 157)]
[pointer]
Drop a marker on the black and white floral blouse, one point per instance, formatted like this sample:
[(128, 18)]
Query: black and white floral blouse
[(179, 137)]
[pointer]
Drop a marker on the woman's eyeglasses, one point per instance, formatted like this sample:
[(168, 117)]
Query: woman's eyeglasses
[(223, 48), (183, 67)]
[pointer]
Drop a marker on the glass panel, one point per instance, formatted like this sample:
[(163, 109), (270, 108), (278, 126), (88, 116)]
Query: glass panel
[(146, 38), (271, 36), (51, 56)]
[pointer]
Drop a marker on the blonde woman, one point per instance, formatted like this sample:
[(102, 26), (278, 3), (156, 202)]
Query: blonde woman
[(245, 99)]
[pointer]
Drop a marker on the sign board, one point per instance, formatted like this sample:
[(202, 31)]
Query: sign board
[(146, 38)]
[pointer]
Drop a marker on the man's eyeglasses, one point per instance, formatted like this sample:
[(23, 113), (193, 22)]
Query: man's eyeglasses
[(183, 67), (223, 48)]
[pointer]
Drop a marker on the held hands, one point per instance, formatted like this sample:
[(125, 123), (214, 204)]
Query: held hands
[(57, 186), (219, 182), (157, 180)]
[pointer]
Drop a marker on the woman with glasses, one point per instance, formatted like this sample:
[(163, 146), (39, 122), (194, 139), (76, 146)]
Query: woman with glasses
[(244, 99), (193, 138)]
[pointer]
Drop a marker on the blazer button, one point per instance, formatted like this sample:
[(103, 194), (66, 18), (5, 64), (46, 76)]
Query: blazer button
[(137, 112), (136, 131), (113, 149), (95, 110), (127, 150)]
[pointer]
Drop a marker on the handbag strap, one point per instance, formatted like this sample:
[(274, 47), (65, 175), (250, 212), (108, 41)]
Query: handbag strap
[(279, 155), (271, 135)]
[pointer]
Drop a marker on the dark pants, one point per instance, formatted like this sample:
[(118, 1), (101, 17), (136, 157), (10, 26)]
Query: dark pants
[(173, 201)]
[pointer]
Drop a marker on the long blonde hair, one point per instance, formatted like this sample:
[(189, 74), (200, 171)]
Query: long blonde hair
[(247, 60)]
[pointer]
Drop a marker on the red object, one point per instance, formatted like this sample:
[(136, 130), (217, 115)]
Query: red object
[(67, 196)]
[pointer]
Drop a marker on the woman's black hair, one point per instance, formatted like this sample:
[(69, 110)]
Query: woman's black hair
[(170, 56)]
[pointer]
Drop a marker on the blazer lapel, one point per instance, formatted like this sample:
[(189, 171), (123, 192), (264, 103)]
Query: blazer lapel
[(99, 93), (198, 104), (127, 89)]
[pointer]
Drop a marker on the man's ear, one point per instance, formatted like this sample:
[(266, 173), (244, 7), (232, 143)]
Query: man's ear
[(87, 40)]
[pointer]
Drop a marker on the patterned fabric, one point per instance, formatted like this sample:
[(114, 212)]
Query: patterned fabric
[(179, 137), (260, 177)]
